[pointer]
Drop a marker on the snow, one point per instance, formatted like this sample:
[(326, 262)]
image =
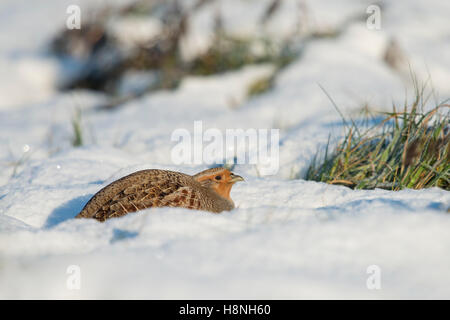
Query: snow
[(287, 238)]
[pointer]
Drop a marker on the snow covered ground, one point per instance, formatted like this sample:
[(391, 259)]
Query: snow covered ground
[(287, 238)]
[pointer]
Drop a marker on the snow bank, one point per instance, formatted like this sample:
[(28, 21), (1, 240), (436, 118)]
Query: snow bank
[(287, 238)]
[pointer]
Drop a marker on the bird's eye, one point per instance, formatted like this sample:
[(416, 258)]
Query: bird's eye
[(218, 177)]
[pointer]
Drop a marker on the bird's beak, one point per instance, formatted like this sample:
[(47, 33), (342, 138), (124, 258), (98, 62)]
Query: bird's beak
[(236, 178)]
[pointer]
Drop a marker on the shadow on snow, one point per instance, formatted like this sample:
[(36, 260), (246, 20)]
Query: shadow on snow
[(66, 211)]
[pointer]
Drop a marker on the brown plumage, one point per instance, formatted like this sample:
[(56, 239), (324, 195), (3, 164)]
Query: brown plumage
[(208, 190)]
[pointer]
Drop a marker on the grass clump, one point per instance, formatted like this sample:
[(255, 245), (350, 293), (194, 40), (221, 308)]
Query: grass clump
[(231, 53), (77, 139), (260, 86), (104, 58), (408, 149)]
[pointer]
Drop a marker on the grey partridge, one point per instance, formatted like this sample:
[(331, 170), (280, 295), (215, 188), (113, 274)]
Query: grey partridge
[(208, 190)]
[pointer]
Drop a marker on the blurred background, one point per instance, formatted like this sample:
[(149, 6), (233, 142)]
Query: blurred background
[(66, 64), (121, 76)]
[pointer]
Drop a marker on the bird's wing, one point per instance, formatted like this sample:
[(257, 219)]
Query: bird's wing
[(186, 197), (136, 192)]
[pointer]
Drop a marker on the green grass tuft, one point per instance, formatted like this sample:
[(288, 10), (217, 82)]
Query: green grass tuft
[(260, 86), (77, 139), (232, 53), (408, 149)]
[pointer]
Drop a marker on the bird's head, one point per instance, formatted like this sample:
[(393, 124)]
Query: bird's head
[(219, 180)]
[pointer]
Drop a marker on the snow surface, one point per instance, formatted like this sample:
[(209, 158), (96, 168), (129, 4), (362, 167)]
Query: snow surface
[(287, 238)]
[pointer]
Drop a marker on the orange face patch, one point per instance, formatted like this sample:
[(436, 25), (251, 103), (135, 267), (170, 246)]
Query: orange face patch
[(221, 181)]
